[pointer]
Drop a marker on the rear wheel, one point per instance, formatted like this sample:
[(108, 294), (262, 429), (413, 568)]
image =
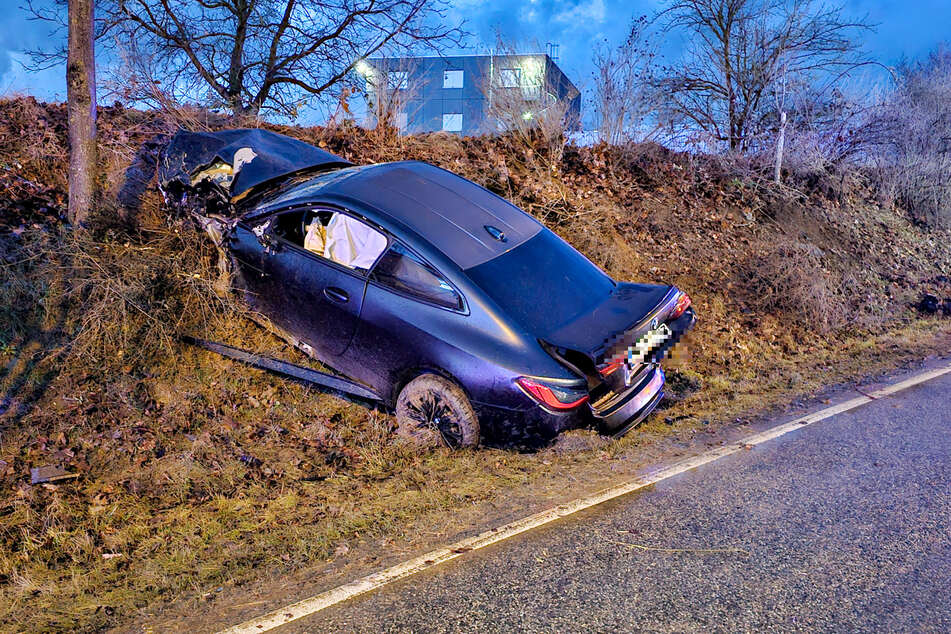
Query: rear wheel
[(432, 410)]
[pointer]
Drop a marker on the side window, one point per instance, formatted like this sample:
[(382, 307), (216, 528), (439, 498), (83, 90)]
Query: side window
[(401, 270), (331, 235), (289, 226)]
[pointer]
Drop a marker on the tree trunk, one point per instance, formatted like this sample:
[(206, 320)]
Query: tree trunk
[(780, 146), (81, 110)]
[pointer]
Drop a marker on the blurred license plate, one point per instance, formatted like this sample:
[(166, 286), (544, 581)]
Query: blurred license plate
[(638, 353)]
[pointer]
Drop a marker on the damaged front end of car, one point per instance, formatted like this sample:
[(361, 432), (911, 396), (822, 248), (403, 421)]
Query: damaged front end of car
[(214, 178)]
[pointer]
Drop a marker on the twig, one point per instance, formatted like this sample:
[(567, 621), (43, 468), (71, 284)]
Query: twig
[(864, 393)]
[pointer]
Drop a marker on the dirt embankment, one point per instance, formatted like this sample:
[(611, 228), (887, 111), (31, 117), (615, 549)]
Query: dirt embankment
[(193, 472)]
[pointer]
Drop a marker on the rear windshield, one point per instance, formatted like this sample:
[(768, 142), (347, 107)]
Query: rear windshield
[(543, 283)]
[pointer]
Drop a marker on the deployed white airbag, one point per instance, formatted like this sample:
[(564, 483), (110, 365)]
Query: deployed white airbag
[(316, 238), (353, 243)]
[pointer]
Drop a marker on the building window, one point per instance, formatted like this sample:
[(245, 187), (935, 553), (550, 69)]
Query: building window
[(399, 121), (452, 122), (510, 77), (452, 79), (531, 93), (397, 79)]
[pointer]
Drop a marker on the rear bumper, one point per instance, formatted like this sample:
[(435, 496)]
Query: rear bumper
[(530, 428), (535, 427), (622, 412), (618, 413)]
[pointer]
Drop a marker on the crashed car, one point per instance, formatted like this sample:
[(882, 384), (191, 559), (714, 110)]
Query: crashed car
[(427, 292)]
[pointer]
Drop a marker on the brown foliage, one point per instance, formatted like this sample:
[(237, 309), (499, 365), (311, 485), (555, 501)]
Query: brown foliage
[(183, 455)]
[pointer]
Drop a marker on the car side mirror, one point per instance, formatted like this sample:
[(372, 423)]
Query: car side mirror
[(266, 237)]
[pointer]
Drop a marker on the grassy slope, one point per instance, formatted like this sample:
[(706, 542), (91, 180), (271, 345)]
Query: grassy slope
[(198, 472)]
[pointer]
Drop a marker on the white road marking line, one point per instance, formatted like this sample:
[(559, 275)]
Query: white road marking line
[(431, 559)]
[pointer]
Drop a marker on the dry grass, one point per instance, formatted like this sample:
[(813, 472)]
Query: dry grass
[(198, 472), (789, 280)]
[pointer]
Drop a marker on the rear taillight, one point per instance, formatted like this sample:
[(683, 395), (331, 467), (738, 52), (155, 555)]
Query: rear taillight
[(683, 303), (552, 396), (611, 367)]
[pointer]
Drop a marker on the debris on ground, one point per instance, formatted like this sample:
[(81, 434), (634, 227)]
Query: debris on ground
[(932, 304), (50, 473)]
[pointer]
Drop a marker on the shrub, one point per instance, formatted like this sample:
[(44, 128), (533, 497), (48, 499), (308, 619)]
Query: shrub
[(914, 124), (790, 280)]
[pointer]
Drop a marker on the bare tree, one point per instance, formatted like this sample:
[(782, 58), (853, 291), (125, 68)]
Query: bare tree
[(253, 56), (913, 127), (623, 75), (739, 49), (391, 92), (81, 110), (826, 130), (522, 100)]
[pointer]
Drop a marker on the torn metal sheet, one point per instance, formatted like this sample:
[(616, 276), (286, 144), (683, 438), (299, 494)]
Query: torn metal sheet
[(254, 156), (287, 368), (50, 473)]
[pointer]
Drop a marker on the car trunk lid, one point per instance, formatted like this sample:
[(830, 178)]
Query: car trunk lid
[(588, 342), (627, 312)]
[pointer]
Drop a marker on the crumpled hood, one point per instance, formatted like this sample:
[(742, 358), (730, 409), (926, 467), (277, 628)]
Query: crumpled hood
[(261, 156)]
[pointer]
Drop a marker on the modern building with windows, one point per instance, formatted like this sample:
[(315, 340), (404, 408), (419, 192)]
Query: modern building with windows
[(469, 94)]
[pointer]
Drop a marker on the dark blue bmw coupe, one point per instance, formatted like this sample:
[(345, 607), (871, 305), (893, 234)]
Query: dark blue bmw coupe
[(430, 293)]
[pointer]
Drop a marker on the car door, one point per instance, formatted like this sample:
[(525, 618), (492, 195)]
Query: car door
[(250, 279), (408, 310), (314, 298)]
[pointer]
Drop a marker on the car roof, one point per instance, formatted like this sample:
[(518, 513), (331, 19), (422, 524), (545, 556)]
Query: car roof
[(453, 214)]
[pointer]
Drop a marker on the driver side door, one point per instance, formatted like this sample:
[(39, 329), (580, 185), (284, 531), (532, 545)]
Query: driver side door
[(315, 299)]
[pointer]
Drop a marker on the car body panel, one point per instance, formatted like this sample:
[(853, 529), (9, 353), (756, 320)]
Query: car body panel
[(624, 408), (574, 283), (288, 286), (445, 210), (594, 330), (398, 337), (441, 208), (275, 156), (325, 300)]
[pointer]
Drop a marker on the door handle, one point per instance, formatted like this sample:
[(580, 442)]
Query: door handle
[(336, 294)]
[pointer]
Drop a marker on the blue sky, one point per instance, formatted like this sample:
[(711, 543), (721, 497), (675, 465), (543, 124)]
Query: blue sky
[(907, 28)]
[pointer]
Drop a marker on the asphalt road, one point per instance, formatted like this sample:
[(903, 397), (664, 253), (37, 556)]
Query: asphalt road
[(843, 526)]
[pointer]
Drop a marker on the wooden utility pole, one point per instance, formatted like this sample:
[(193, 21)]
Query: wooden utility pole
[(81, 110), (781, 137), (780, 146)]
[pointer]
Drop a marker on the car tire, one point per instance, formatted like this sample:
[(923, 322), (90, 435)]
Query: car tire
[(432, 410)]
